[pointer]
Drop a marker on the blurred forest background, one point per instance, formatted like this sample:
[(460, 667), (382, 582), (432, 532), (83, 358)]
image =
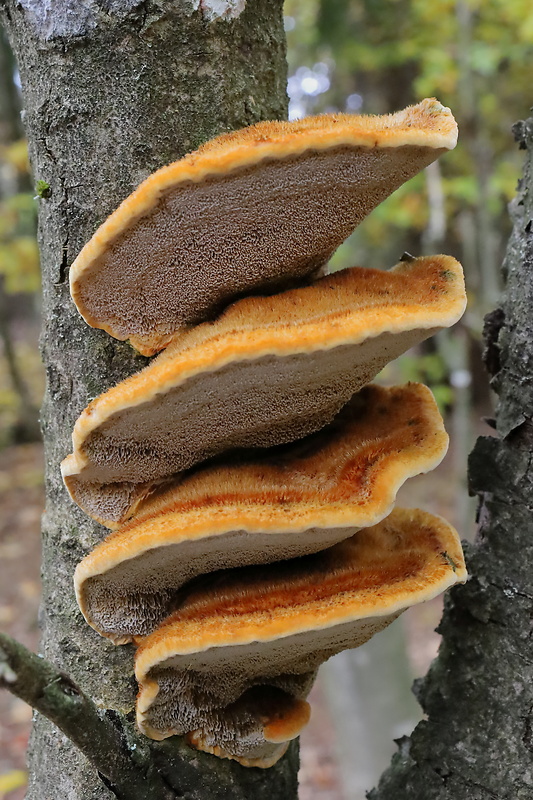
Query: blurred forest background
[(358, 56)]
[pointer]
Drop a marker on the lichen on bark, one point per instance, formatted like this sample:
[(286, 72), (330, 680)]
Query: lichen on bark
[(112, 91), (477, 742)]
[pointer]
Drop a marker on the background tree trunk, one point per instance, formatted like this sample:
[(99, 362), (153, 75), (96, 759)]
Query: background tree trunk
[(477, 742), (114, 89), (26, 426)]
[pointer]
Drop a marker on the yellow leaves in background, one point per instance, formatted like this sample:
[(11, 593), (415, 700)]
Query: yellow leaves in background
[(19, 264), (16, 155), (406, 208), (474, 55), (29, 362), (19, 256), (12, 780)]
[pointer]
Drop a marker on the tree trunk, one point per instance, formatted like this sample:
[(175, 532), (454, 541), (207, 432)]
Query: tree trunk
[(477, 742), (114, 89)]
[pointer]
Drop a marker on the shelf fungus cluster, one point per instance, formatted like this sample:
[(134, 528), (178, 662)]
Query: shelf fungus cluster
[(269, 370), (250, 471)]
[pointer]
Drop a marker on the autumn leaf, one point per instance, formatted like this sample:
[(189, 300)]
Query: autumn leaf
[(12, 780)]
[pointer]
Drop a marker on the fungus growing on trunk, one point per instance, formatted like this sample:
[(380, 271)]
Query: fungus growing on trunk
[(301, 498), (268, 371), (233, 666), (254, 210)]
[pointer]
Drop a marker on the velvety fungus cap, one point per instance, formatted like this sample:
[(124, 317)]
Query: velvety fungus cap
[(268, 371), (255, 636), (298, 499), (259, 209)]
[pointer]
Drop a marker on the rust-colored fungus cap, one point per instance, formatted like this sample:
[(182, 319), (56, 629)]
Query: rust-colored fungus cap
[(301, 498), (268, 371), (246, 637), (258, 209)]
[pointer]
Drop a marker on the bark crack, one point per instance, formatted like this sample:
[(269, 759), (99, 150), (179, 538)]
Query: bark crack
[(446, 775), (527, 737)]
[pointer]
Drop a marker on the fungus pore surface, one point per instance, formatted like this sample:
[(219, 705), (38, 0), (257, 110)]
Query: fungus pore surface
[(241, 652), (254, 210), (301, 498), (268, 371)]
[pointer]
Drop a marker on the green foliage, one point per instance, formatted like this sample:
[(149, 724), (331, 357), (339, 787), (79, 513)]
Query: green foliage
[(420, 367), (431, 369), (474, 55)]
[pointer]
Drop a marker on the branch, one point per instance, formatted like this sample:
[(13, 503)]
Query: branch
[(124, 769)]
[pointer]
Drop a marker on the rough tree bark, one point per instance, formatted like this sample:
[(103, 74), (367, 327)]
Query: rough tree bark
[(114, 89), (477, 741)]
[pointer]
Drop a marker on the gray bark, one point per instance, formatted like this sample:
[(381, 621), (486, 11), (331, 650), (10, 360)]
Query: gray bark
[(477, 741), (49, 691), (114, 89)]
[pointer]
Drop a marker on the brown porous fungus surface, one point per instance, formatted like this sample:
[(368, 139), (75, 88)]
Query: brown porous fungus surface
[(254, 210), (232, 667), (301, 498), (268, 371)]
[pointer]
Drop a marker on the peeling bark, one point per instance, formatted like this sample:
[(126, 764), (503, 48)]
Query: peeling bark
[(477, 741), (114, 89)]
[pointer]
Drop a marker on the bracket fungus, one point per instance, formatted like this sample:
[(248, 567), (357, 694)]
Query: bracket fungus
[(296, 500), (268, 371), (232, 667), (259, 209)]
